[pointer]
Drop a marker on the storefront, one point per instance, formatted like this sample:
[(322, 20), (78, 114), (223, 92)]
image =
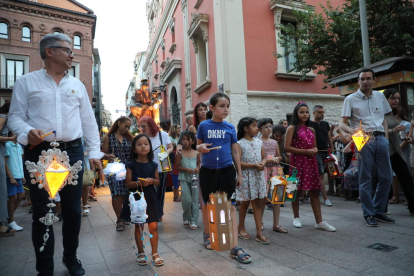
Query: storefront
[(395, 73)]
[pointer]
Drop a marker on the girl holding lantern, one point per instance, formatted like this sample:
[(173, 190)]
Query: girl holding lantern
[(218, 172), (142, 175), (273, 156), (301, 143), (253, 188), (116, 144), (158, 138)]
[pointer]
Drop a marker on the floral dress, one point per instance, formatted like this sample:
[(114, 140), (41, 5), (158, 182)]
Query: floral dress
[(307, 166), (270, 151), (121, 151), (253, 181)]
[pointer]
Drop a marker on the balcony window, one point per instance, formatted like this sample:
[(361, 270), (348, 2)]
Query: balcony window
[(76, 42), (290, 58), (14, 69), (26, 34), (4, 30), (72, 71)]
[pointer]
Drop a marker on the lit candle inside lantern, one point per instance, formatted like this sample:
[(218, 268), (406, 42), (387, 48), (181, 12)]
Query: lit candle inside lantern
[(55, 176)]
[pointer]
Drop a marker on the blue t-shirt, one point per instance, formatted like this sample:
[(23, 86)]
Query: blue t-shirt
[(218, 134), (14, 153)]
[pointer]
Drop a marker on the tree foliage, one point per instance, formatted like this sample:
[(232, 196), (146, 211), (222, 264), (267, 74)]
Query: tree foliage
[(330, 42)]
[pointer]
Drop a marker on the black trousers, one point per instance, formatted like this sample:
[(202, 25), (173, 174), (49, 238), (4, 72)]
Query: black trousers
[(161, 188), (71, 212), (401, 169)]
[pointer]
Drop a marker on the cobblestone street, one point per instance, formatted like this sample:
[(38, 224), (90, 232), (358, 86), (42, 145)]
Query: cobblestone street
[(305, 251)]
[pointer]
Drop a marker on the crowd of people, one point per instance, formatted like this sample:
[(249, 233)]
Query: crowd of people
[(210, 155)]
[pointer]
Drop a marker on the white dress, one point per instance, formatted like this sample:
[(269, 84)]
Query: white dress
[(254, 185)]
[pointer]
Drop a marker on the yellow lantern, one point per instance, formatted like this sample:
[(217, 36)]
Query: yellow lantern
[(52, 172), (164, 160), (360, 138), (55, 176)]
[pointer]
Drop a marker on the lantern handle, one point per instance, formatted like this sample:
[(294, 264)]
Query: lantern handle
[(294, 172)]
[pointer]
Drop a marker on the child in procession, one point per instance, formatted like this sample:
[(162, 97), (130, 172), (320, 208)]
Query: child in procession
[(142, 166), (217, 172), (188, 163), (15, 178), (301, 143), (273, 157), (253, 187)]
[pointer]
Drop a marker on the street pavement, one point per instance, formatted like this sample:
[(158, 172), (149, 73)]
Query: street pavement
[(304, 251)]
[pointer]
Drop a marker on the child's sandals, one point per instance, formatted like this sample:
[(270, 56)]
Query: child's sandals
[(157, 261), (207, 243), (241, 256), (262, 239), (142, 259), (279, 229)]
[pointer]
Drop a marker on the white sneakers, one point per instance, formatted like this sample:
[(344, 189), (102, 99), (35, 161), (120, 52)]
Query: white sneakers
[(325, 227), (15, 226), (328, 203), (193, 226), (321, 226), (297, 223)]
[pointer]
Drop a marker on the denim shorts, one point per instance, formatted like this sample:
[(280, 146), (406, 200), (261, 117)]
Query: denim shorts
[(14, 189), (320, 157)]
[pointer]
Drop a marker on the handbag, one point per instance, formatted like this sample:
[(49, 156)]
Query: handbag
[(88, 176)]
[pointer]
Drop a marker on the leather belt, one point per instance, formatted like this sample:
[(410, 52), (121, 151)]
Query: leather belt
[(63, 145), (376, 133)]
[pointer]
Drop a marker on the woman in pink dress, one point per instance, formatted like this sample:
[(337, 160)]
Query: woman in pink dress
[(301, 143)]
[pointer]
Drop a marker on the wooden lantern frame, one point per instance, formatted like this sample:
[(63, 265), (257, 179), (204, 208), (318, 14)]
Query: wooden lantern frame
[(276, 192), (334, 169)]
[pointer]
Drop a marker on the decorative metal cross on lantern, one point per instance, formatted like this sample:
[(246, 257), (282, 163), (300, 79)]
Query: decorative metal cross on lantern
[(52, 172)]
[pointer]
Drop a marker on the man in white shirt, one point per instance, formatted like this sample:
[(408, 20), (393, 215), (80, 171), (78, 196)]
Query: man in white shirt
[(51, 100), (369, 107)]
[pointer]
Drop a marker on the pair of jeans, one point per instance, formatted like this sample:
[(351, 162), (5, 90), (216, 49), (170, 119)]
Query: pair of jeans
[(189, 201), (71, 212), (161, 188), (374, 160), (401, 169)]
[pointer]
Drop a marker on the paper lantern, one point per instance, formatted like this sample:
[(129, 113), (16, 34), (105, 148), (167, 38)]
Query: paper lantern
[(221, 223), (52, 172), (164, 160), (333, 166), (138, 208), (292, 186), (360, 137), (276, 190)]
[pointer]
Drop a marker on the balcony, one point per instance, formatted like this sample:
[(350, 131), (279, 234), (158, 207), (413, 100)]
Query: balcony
[(7, 81)]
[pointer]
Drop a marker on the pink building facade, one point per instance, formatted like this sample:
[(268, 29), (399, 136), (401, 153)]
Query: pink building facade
[(199, 47)]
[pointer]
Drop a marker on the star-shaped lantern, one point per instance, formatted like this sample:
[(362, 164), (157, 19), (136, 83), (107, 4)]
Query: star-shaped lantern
[(360, 137), (53, 172)]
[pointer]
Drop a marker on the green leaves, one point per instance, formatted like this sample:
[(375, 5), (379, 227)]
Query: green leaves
[(330, 42)]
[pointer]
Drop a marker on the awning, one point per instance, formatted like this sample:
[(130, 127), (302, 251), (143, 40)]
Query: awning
[(378, 67)]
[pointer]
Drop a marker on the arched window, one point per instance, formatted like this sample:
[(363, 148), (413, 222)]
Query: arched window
[(57, 31), (76, 42), (26, 34), (4, 30)]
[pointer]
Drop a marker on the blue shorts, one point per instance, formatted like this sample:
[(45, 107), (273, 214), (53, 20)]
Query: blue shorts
[(14, 189)]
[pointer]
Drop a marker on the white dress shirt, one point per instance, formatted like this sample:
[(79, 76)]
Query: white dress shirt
[(370, 111), (39, 103)]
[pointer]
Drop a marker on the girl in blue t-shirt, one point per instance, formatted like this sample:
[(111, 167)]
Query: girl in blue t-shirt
[(218, 171), (142, 166)]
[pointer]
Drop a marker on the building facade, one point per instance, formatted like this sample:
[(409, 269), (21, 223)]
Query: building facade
[(23, 23), (198, 48)]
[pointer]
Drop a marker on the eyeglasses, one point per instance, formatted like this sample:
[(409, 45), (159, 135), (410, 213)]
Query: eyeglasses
[(320, 112), (68, 50)]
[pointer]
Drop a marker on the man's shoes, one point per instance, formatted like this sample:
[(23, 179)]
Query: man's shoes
[(328, 203), (74, 266), (15, 226), (382, 218), (370, 221), (325, 227), (297, 223)]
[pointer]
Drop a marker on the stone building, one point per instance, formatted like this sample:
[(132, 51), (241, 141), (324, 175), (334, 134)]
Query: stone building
[(201, 47), (23, 23)]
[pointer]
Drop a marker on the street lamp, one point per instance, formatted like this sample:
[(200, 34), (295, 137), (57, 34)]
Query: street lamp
[(364, 32)]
